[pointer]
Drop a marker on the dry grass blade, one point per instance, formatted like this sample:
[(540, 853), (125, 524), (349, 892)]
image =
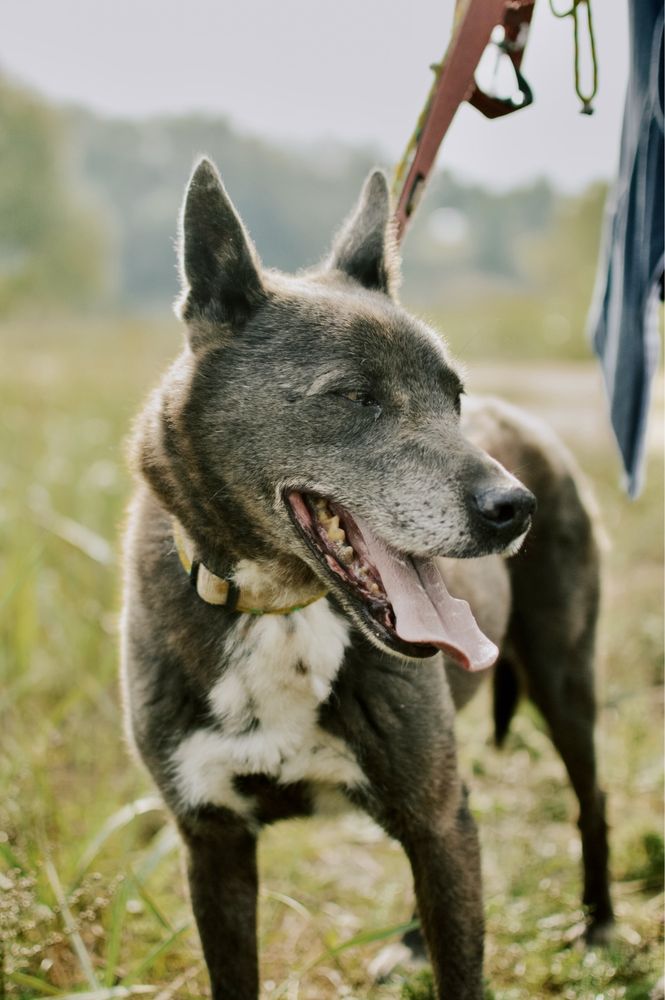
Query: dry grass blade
[(182, 980), (370, 937), (293, 904), (111, 993), (148, 900), (164, 843), (114, 938), (161, 949), (70, 924), (127, 814), (332, 951), (82, 538), (22, 979)]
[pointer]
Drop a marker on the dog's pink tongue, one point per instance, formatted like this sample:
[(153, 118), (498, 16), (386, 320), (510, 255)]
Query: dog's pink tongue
[(425, 612)]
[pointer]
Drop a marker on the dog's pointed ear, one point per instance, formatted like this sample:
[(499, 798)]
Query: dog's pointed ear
[(365, 248), (219, 266)]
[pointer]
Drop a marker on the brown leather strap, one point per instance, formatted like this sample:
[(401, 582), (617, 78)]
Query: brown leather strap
[(516, 22), (475, 21)]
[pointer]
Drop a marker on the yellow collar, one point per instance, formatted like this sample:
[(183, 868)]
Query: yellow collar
[(215, 590)]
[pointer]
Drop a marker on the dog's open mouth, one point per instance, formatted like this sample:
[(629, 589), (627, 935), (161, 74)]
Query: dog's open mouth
[(402, 599)]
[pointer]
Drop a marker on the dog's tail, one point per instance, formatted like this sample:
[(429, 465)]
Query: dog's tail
[(506, 698)]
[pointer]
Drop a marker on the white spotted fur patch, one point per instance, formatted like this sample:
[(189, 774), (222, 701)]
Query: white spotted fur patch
[(278, 670)]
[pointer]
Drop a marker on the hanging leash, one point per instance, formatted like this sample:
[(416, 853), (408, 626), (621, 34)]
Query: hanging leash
[(516, 22), (585, 96), (454, 82)]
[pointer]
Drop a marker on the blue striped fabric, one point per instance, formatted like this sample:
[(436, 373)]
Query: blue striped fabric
[(624, 314)]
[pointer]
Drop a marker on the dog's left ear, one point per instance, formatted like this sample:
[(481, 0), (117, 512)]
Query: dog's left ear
[(366, 248), (220, 267)]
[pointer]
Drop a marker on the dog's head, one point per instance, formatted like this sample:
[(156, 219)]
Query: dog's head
[(315, 423)]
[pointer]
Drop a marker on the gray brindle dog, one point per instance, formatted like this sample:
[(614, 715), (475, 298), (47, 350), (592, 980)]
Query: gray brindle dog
[(310, 494)]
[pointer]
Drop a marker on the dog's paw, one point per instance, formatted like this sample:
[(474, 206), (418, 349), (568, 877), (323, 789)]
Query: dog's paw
[(393, 960), (599, 933), (589, 934)]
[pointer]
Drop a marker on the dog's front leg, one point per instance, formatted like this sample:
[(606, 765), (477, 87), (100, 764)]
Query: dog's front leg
[(222, 872), (399, 723), (445, 860)]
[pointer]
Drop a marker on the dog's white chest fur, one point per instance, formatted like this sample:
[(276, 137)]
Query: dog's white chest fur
[(278, 670)]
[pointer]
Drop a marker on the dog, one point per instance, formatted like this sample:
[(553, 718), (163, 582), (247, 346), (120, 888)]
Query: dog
[(312, 490)]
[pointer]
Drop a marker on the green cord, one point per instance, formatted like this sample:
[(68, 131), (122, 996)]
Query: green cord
[(585, 98)]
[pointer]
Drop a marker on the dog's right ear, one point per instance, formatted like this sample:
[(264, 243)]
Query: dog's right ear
[(219, 265)]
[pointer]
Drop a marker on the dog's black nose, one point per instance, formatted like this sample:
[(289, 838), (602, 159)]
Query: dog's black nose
[(505, 509)]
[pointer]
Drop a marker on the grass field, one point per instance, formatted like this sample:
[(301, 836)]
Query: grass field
[(92, 898)]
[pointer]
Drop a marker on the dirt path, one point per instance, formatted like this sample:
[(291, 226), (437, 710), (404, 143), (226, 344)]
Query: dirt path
[(569, 396)]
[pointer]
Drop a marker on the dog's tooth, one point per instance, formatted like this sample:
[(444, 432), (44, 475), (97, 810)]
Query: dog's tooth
[(322, 510), (346, 554), (374, 588), (334, 532)]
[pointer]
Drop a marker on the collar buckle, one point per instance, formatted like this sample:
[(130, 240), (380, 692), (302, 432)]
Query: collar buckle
[(223, 591)]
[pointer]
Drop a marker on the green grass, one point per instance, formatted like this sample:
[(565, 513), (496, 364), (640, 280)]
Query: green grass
[(92, 897)]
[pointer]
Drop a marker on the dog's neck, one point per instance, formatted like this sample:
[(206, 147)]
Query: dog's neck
[(250, 587)]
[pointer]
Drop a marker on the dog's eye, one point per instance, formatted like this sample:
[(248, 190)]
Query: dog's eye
[(358, 396)]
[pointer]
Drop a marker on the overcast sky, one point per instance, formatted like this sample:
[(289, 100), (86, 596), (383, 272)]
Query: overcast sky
[(355, 70)]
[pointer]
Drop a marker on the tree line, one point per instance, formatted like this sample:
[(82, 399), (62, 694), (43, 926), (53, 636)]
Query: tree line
[(88, 211)]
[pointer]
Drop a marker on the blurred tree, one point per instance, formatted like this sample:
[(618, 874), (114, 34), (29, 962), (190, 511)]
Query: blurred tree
[(563, 260), (84, 197), (534, 303), (52, 241), (487, 256), (290, 200)]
